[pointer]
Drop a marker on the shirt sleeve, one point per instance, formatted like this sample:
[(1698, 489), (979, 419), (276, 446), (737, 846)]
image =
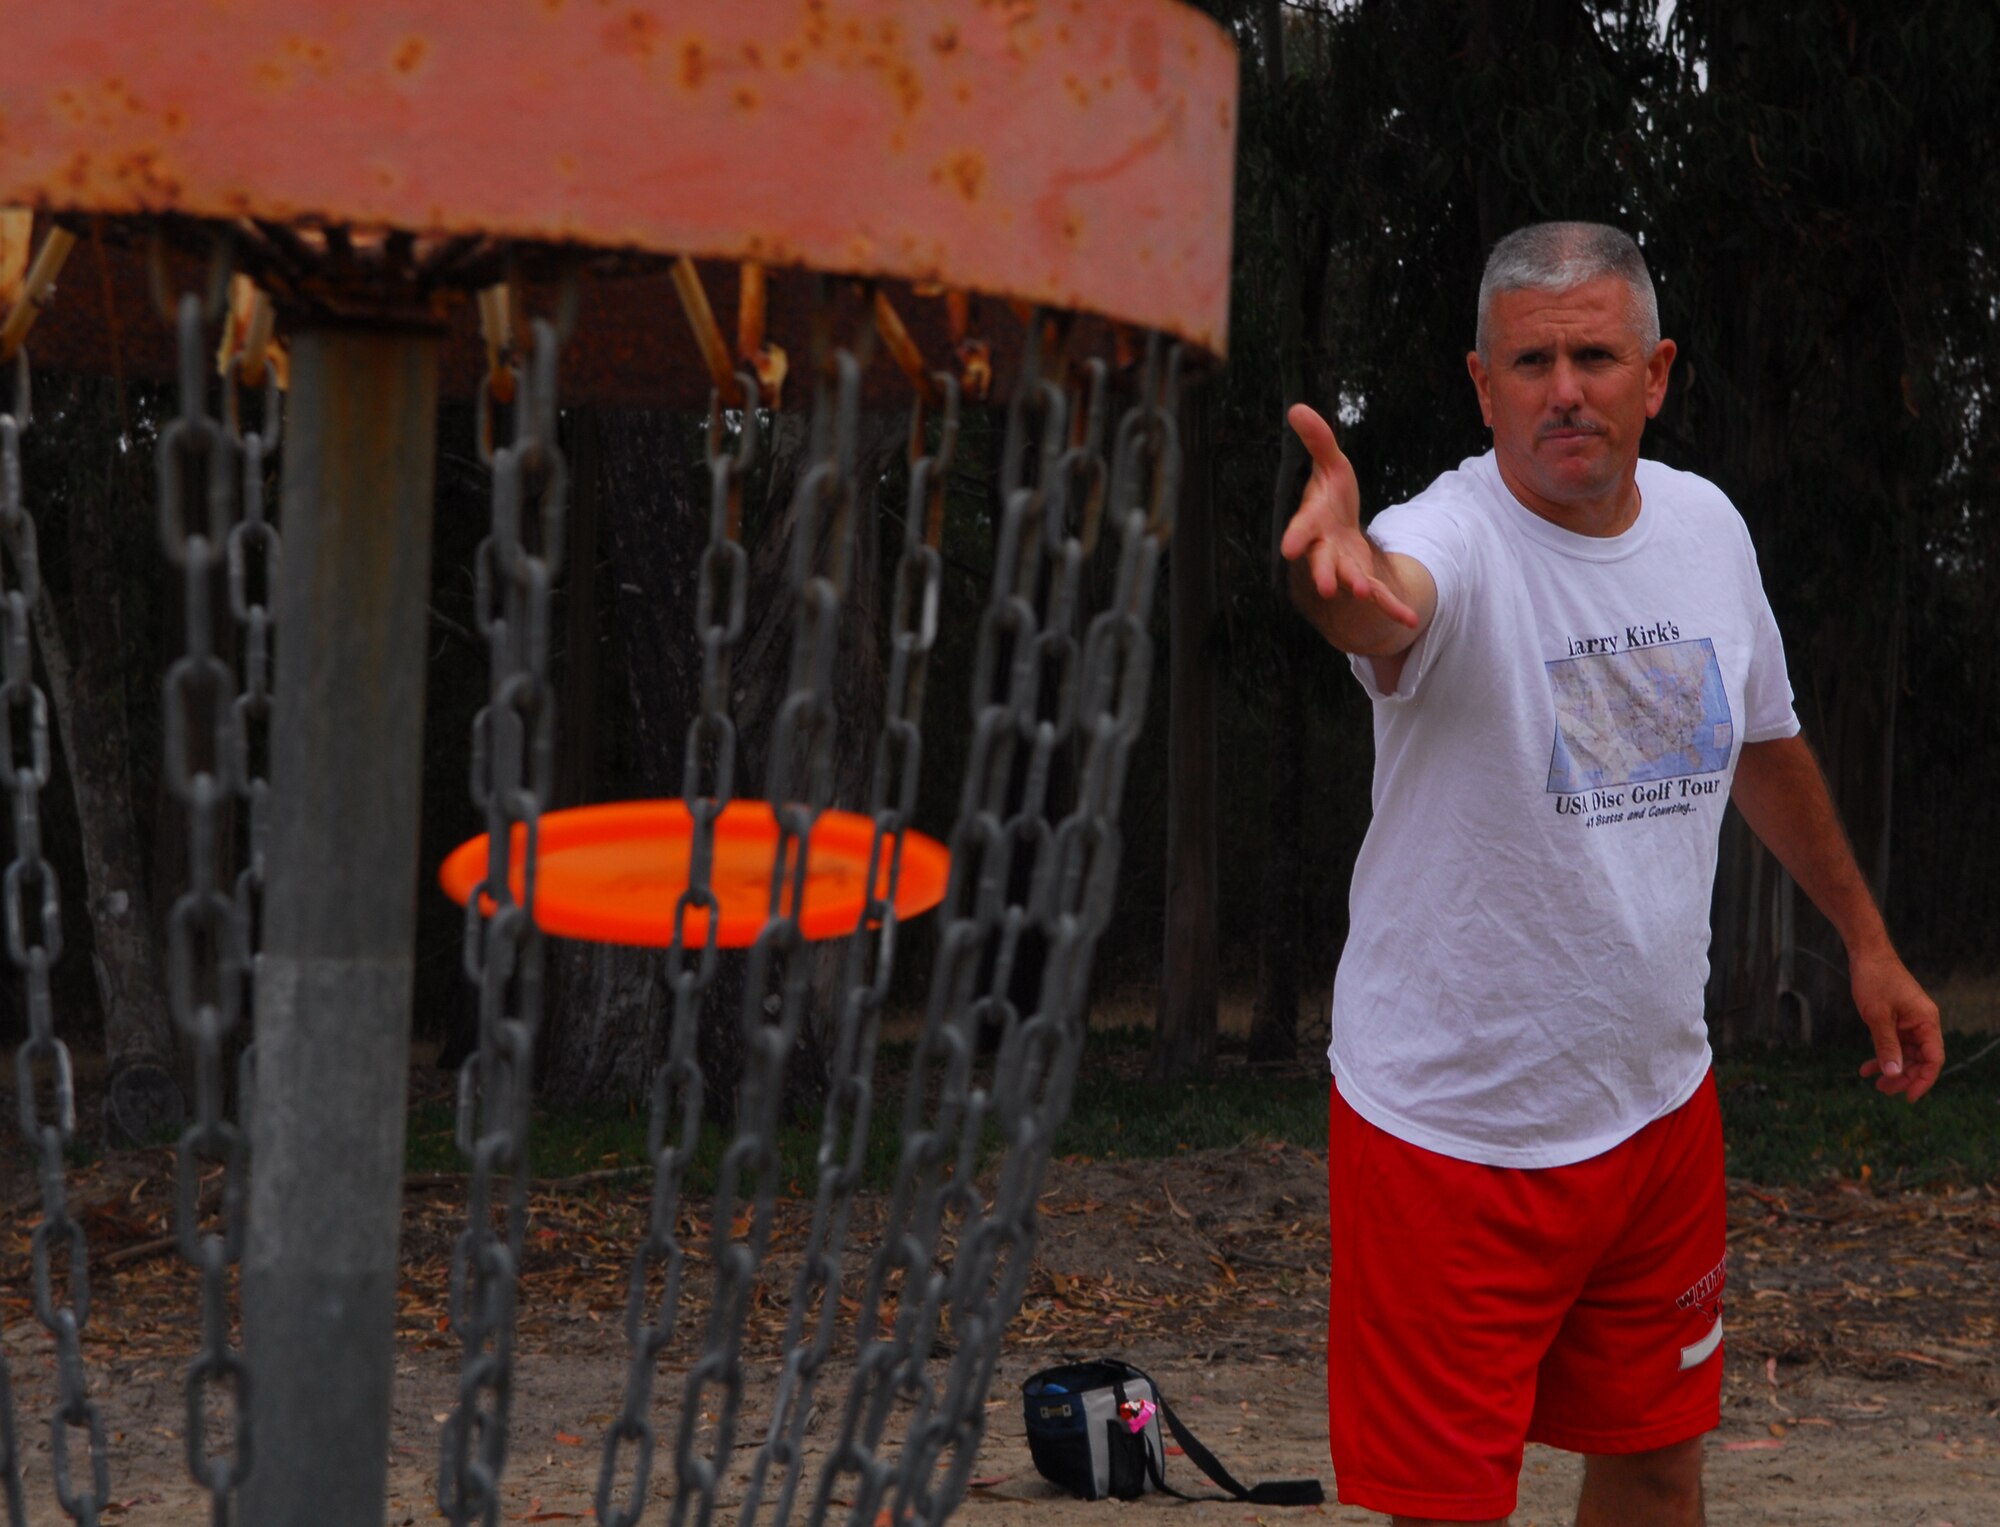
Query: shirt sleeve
[(1431, 535), (1768, 712)]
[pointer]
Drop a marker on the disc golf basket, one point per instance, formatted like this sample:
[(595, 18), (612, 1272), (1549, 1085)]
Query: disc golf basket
[(373, 203)]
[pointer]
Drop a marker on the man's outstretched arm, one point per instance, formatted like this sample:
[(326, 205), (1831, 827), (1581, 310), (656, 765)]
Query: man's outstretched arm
[(1362, 599), (1783, 796)]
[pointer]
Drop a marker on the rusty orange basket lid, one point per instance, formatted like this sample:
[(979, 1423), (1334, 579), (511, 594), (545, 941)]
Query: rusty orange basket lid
[(1068, 155), (614, 874)]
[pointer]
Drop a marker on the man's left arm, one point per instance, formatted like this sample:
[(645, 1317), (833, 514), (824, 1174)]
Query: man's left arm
[(1783, 796)]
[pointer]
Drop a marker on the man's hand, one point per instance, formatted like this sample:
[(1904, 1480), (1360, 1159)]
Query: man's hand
[(1362, 600), (1903, 1021), (1783, 796)]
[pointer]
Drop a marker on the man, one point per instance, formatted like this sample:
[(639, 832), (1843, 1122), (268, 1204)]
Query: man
[(1574, 668)]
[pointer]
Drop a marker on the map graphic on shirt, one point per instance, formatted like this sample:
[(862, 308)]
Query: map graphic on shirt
[(1624, 718)]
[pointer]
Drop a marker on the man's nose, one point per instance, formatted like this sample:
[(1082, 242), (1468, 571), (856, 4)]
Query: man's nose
[(1565, 385)]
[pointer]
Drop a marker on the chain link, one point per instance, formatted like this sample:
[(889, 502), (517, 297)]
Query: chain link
[(33, 917), (254, 557), (1012, 877), (868, 965), (513, 773), (777, 990), (708, 775), (215, 927)]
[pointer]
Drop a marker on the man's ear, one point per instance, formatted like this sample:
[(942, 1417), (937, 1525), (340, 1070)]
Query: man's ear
[(1657, 366), (1481, 384)]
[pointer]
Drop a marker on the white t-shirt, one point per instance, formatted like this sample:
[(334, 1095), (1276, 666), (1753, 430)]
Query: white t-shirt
[(1528, 929)]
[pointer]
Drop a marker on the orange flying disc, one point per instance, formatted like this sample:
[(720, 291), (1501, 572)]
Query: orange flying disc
[(614, 874)]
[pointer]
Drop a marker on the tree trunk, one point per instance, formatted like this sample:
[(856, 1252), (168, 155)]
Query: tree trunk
[(576, 740), (569, 962), (652, 519), (1274, 1019), (641, 489), (1274, 1025), (1747, 1001), (763, 672), (1780, 967), (142, 1098), (1184, 1042)]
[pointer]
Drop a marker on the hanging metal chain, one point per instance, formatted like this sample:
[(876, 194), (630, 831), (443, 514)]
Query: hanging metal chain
[(1011, 875), (254, 556), (34, 942), (673, 1130), (901, 1285), (209, 462), (868, 965), (1071, 904), (1017, 877), (778, 985), (1035, 1070), (513, 775)]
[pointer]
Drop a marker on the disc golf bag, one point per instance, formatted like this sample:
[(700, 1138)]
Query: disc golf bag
[(1094, 1430)]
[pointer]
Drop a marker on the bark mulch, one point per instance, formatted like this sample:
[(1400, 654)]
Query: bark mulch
[(1223, 1252)]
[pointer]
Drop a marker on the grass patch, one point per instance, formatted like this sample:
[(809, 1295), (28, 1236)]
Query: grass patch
[(1796, 1117), (1790, 1117), (595, 1137), (1114, 1114), (1117, 1113)]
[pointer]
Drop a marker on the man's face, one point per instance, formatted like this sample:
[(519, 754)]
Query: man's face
[(1567, 388)]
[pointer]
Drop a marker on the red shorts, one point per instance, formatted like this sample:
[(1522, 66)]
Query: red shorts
[(1475, 1308)]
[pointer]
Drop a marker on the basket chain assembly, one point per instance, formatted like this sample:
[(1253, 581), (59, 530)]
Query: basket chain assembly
[(513, 774), (949, 1268), (212, 521), (34, 942)]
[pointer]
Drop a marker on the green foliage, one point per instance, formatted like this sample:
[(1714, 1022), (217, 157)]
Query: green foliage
[(1116, 1115), (1819, 197), (1819, 193), (1804, 1116), (568, 1141), (1128, 1118), (1790, 1117), (1822, 229)]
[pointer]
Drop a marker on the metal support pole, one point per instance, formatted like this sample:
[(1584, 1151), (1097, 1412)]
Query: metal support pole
[(333, 991)]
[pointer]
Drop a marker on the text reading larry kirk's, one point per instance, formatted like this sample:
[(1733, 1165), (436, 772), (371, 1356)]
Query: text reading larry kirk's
[(1635, 636)]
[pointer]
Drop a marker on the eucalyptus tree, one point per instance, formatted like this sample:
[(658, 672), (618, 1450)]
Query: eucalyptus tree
[(1825, 199), (1385, 147)]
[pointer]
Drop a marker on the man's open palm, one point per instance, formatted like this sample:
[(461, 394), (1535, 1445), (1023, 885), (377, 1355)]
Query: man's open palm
[(1326, 530)]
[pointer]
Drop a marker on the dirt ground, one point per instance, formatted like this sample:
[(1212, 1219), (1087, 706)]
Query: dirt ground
[(1861, 1377)]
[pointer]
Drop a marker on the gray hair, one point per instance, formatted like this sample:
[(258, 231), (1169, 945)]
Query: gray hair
[(1554, 257)]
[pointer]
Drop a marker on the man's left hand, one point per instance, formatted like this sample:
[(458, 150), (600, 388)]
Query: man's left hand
[(1909, 1046)]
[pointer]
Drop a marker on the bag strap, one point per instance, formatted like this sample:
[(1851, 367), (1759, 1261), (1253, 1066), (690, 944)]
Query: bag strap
[(1270, 1492)]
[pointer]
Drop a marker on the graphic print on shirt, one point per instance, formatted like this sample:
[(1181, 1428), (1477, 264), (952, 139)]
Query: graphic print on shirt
[(1649, 713)]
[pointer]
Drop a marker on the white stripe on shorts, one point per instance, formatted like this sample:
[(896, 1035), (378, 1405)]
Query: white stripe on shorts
[(1700, 1352)]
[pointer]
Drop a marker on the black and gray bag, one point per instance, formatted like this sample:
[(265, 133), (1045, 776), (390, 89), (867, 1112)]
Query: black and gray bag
[(1094, 1429)]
